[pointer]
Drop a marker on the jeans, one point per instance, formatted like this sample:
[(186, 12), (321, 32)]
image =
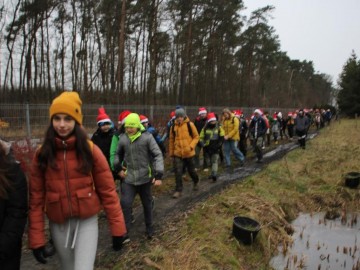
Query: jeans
[(231, 145), (128, 193), (257, 144), (213, 160), (189, 165)]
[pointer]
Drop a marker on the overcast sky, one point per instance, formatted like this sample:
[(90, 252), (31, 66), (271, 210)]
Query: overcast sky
[(322, 31)]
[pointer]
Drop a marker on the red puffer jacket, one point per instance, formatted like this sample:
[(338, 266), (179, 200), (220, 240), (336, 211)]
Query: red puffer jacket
[(66, 192)]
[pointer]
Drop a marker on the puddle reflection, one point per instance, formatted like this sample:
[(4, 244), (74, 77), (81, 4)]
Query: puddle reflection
[(322, 244)]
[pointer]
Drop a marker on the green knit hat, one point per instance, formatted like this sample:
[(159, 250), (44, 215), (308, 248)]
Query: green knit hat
[(133, 121)]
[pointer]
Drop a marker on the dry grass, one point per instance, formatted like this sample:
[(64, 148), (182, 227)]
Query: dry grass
[(303, 181)]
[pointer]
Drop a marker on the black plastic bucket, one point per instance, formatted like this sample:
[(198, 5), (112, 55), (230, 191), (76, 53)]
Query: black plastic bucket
[(245, 229), (352, 179)]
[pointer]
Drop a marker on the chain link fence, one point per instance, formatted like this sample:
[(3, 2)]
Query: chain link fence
[(18, 121)]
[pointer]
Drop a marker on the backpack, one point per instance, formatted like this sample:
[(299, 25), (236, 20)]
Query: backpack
[(189, 129)]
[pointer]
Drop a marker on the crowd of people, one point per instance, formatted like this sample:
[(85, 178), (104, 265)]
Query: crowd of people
[(73, 177)]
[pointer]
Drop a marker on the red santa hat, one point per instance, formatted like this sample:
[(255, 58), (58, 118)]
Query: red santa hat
[(202, 110), (211, 117), (102, 116), (290, 114), (143, 119), (172, 115), (122, 116), (275, 115)]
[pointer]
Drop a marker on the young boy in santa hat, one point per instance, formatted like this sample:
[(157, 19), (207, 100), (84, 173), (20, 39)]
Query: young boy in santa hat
[(102, 137), (212, 138)]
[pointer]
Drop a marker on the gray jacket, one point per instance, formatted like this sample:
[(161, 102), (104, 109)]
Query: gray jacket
[(142, 158)]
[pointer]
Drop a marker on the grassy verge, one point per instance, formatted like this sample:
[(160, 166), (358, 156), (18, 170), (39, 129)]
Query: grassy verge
[(308, 180)]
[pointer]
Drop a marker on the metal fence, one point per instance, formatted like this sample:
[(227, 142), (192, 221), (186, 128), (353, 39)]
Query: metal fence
[(31, 120)]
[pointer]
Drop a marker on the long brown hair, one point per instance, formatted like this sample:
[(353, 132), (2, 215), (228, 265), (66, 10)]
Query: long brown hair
[(4, 168), (47, 151)]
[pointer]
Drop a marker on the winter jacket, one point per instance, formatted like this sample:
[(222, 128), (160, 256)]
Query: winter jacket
[(143, 158), (66, 192), (13, 216), (181, 143), (114, 145), (231, 128), (257, 127), (212, 138), (103, 141), (302, 123)]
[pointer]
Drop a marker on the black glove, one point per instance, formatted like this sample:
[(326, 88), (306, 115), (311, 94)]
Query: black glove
[(40, 254), (158, 176), (117, 242)]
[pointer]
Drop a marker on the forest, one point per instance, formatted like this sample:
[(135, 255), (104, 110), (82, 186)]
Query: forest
[(158, 52)]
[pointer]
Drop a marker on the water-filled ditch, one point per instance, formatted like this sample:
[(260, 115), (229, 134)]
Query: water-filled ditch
[(320, 243)]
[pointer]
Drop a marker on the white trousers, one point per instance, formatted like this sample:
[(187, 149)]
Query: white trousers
[(75, 242)]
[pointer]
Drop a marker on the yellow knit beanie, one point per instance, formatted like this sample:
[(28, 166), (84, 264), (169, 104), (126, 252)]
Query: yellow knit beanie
[(68, 103)]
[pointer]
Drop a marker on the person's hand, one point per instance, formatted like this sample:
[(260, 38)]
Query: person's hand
[(117, 242), (122, 174), (40, 254), (156, 182), (226, 138)]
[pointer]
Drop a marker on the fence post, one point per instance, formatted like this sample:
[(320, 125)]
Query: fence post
[(151, 116), (28, 127)]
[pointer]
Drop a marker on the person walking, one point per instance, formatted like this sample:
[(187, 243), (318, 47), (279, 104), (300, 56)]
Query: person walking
[(211, 138), (182, 142), (70, 182), (115, 138), (144, 167), (199, 123), (13, 208), (257, 129), (230, 125), (102, 137), (302, 124)]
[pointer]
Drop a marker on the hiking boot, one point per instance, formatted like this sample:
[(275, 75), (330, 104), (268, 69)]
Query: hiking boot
[(210, 177), (214, 178), (259, 161), (176, 195)]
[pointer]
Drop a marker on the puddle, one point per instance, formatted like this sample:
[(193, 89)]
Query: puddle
[(322, 244)]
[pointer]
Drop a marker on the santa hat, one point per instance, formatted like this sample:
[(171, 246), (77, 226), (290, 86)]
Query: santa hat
[(258, 111), (279, 114), (172, 115), (275, 115), (211, 117), (202, 110), (143, 119), (122, 116), (102, 116), (290, 114)]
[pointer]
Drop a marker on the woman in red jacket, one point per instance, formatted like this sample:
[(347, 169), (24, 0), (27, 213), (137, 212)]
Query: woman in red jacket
[(70, 182)]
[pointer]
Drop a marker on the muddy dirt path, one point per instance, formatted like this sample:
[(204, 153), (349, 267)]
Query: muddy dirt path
[(165, 208)]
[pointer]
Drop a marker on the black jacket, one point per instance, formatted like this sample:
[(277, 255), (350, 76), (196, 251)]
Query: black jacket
[(103, 140), (13, 217)]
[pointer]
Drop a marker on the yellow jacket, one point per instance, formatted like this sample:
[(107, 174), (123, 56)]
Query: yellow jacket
[(181, 143), (231, 128)]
